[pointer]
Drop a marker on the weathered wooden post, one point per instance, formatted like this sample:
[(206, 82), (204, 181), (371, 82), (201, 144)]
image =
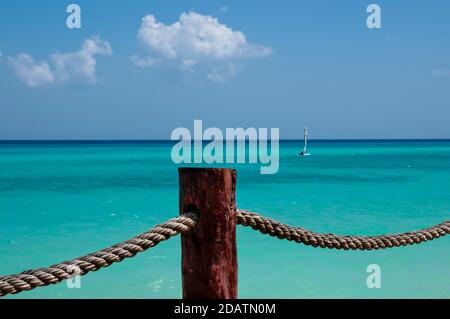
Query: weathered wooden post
[(209, 258)]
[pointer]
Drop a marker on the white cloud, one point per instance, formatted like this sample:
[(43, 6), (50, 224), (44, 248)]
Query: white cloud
[(187, 65), (143, 61), (32, 73), (61, 67), (196, 35), (223, 9), (441, 72), (221, 73), (196, 40)]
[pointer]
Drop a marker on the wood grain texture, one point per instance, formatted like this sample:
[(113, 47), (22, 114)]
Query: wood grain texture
[(209, 257)]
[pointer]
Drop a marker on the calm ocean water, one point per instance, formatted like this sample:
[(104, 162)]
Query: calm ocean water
[(59, 201)]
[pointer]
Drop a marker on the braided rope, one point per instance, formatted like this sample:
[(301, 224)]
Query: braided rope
[(31, 279), (282, 231)]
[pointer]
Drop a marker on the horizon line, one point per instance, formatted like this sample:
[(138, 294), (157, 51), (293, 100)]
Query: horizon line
[(35, 141)]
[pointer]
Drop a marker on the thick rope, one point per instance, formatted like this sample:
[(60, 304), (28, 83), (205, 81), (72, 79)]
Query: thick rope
[(31, 279), (282, 231)]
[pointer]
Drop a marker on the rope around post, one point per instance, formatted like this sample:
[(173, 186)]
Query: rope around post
[(31, 279), (300, 235)]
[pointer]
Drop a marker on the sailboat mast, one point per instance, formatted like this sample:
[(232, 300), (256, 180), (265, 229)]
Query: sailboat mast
[(305, 137)]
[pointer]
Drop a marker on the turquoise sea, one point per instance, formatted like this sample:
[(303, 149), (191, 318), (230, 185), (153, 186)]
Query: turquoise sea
[(60, 201)]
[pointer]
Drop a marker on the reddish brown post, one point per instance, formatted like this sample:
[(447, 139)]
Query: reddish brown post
[(209, 258)]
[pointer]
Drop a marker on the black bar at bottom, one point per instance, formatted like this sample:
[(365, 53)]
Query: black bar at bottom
[(241, 308)]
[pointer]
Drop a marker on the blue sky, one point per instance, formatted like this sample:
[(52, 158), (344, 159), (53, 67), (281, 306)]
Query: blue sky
[(302, 63)]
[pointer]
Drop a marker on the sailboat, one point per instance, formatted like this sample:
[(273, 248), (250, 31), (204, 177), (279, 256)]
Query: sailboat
[(305, 150)]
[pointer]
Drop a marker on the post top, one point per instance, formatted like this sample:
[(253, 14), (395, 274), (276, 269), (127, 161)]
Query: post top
[(205, 169)]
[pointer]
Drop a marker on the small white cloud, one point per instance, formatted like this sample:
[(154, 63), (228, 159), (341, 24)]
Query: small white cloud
[(223, 9), (441, 73), (197, 40), (187, 65), (61, 66), (143, 61), (221, 73), (29, 71)]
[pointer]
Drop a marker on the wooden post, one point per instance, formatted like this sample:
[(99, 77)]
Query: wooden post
[(209, 258)]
